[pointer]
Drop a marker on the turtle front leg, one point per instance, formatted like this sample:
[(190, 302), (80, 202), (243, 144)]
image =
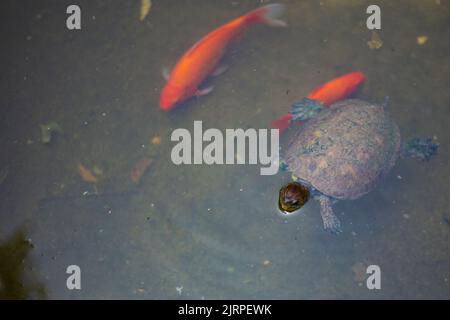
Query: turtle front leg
[(331, 223), (305, 109)]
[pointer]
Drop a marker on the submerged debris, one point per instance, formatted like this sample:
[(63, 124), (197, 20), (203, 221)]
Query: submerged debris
[(87, 196), (139, 169), (47, 131), (375, 41), (86, 174), (146, 5), (3, 174), (156, 140), (447, 221)]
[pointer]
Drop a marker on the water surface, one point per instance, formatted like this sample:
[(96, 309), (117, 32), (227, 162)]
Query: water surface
[(211, 232)]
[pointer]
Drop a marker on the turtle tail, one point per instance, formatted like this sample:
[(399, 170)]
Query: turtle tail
[(422, 148)]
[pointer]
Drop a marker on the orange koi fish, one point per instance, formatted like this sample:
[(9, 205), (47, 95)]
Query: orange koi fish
[(202, 59), (327, 94)]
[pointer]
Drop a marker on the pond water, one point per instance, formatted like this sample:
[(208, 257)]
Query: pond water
[(199, 231)]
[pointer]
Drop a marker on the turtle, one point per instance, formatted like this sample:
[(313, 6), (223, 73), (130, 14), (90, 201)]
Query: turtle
[(340, 153)]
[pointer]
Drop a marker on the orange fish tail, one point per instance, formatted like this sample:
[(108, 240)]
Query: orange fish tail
[(282, 123), (267, 15)]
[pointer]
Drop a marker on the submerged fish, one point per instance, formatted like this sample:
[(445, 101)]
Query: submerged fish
[(202, 59), (337, 89), (327, 94)]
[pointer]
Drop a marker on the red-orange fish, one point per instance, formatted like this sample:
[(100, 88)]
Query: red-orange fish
[(202, 59), (328, 93)]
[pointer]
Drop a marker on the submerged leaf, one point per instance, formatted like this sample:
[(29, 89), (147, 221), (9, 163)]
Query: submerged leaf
[(146, 5), (139, 169), (375, 41), (156, 140), (86, 174), (421, 40), (359, 272)]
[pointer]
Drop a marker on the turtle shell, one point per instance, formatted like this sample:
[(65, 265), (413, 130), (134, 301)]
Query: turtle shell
[(344, 150)]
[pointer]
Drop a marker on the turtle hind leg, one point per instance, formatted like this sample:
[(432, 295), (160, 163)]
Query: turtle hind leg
[(331, 223), (422, 148)]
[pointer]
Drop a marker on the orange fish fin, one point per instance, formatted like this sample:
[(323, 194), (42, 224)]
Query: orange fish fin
[(219, 70), (204, 91), (165, 73)]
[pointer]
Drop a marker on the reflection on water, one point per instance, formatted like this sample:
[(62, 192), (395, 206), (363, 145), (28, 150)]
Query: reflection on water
[(211, 231)]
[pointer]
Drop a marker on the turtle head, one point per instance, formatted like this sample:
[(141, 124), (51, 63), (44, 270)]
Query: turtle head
[(292, 197)]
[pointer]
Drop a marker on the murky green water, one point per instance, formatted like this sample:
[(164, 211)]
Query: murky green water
[(211, 231)]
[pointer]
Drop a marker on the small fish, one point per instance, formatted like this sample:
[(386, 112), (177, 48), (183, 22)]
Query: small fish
[(86, 174), (139, 169), (327, 94), (202, 59)]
